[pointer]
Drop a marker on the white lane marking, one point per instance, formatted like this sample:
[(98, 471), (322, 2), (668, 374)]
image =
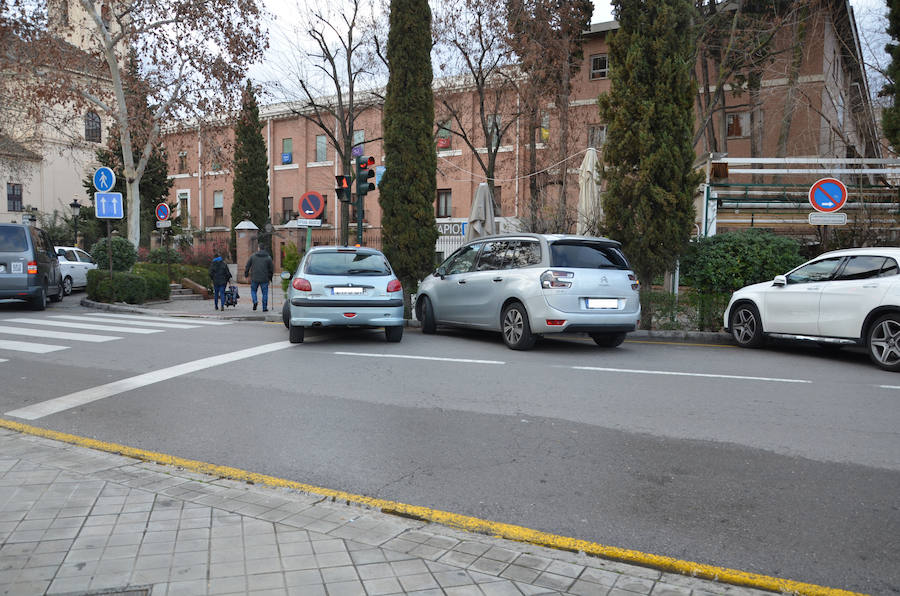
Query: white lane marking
[(116, 321), (890, 386), (88, 326), (80, 398), (420, 358), (27, 346), (89, 337), (686, 374), (193, 321), (3, 360)]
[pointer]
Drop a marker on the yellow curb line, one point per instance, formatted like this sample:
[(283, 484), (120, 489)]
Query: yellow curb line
[(453, 520)]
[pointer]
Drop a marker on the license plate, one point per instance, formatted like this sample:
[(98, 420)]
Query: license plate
[(602, 303), (346, 291), (16, 267)]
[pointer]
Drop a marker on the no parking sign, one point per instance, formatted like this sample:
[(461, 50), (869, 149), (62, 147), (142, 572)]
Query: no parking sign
[(827, 195)]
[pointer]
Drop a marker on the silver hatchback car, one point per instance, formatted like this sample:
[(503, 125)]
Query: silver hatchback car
[(528, 285), (344, 286)]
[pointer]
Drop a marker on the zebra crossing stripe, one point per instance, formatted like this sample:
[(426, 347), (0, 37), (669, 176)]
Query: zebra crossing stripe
[(27, 346), (52, 334), (96, 319), (136, 318), (3, 360), (88, 326)]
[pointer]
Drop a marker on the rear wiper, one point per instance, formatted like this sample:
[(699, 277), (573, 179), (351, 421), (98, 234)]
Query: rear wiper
[(352, 271)]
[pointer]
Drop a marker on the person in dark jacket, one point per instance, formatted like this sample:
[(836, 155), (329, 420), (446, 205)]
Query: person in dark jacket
[(220, 275), (260, 269)]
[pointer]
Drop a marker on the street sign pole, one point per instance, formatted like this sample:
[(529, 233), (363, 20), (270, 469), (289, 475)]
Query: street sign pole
[(109, 250)]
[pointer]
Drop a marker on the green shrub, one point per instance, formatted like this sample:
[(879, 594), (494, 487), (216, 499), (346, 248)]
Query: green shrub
[(157, 285), (164, 255), (124, 254), (177, 272), (289, 263), (124, 287), (726, 262)]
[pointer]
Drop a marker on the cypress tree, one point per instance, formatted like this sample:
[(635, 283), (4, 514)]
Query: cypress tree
[(251, 187), (409, 182), (890, 117), (648, 157)]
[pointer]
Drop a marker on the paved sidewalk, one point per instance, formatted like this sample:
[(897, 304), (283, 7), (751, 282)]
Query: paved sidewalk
[(75, 520)]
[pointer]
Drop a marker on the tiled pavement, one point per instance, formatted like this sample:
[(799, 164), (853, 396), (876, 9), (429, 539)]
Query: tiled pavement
[(74, 521)]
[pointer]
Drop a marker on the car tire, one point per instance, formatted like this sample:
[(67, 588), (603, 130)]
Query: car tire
[(429, 325), (608, 340), (883, 342), (296, 334), (39, 302), (286, 315), (393, 334), (60, 292), (515, 328), (746, 325), (67, 285)]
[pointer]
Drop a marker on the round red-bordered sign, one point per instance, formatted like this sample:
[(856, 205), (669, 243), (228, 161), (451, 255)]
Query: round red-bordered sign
[(162, 212), (311, 205), (827, 195)]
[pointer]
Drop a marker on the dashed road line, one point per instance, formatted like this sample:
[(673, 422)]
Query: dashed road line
[(403, 356), (687, 374)]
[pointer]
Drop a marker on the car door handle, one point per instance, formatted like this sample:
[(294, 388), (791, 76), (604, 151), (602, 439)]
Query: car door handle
[(461, 282), (497, 279), (870, 286)]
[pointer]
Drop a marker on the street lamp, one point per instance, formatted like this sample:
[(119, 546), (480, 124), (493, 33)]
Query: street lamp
[(76, 212)]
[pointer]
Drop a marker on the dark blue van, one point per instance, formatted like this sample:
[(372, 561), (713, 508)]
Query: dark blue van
[(29, 267)]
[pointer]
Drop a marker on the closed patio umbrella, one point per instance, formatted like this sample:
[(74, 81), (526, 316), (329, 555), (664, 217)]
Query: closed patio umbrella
[(481, 219), (590, 210)]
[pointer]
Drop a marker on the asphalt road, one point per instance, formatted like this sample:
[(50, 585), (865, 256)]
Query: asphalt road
[(783, 461)]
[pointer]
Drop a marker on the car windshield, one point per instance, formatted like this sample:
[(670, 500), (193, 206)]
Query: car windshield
[(346, 263), (586, 255), (12, 239)]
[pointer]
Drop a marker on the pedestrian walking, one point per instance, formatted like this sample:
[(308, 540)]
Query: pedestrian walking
[(220, 276), (260, 269)]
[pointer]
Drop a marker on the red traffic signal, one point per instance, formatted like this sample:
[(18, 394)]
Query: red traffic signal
[(365, 169)]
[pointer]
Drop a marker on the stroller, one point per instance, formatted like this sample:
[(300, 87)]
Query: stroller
[(231, 296)]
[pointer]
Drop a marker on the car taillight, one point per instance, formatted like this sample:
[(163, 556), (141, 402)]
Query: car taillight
[(635, 284), (32, 267), (301, 284), (556, 279), (394, 286)]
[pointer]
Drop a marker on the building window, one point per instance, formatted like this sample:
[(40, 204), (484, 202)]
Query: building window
[(359, 141), (218, 199), (444, 206), (182, 162), (599, 66), (287, 209), (13, 197), (92, 127), (218, 216), (545, 127), (444, 135), (321, 148), (184, 197), (287, 150), (738, 125), (596, 136), (494, 123)]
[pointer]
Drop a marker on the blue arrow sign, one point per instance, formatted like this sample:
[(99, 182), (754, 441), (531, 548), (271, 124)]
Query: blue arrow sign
[(108, 205), (104, 179)]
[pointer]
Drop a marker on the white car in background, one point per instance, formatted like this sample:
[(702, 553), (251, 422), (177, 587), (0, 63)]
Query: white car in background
[(74, 264), (844, 297)]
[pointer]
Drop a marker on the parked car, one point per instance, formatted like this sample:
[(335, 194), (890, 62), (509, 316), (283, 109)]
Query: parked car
[(844, 297), (74, 264), (528, 285), (29, 268), (344, 286)]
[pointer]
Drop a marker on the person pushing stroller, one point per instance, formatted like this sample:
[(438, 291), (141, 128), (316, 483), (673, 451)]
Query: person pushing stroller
[(220, 276)]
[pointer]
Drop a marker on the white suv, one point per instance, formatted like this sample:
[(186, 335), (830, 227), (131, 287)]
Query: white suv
[(844, 297), (526, 285)]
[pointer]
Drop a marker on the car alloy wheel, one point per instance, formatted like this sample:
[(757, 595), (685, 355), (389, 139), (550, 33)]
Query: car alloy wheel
[(516, 330), (746, 327), (884, 342), (67, 285)]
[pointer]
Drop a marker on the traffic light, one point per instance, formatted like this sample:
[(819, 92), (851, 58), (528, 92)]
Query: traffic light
[(342, 188), (365, 169)]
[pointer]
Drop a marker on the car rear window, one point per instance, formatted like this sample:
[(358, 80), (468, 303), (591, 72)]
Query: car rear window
[(585, 255), (12, 239), (346, 263)]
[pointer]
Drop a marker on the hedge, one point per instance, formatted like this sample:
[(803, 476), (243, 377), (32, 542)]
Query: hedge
[(124, 287)]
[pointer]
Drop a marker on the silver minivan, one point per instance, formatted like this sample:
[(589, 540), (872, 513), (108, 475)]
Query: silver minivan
[(29, 267), (529, 285)]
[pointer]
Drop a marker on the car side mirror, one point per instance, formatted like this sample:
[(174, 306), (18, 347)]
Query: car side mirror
[(60, 252), (441, 272), (780, 280), (285, 275)]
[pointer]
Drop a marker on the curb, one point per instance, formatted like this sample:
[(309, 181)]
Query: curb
[(453, 520)]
